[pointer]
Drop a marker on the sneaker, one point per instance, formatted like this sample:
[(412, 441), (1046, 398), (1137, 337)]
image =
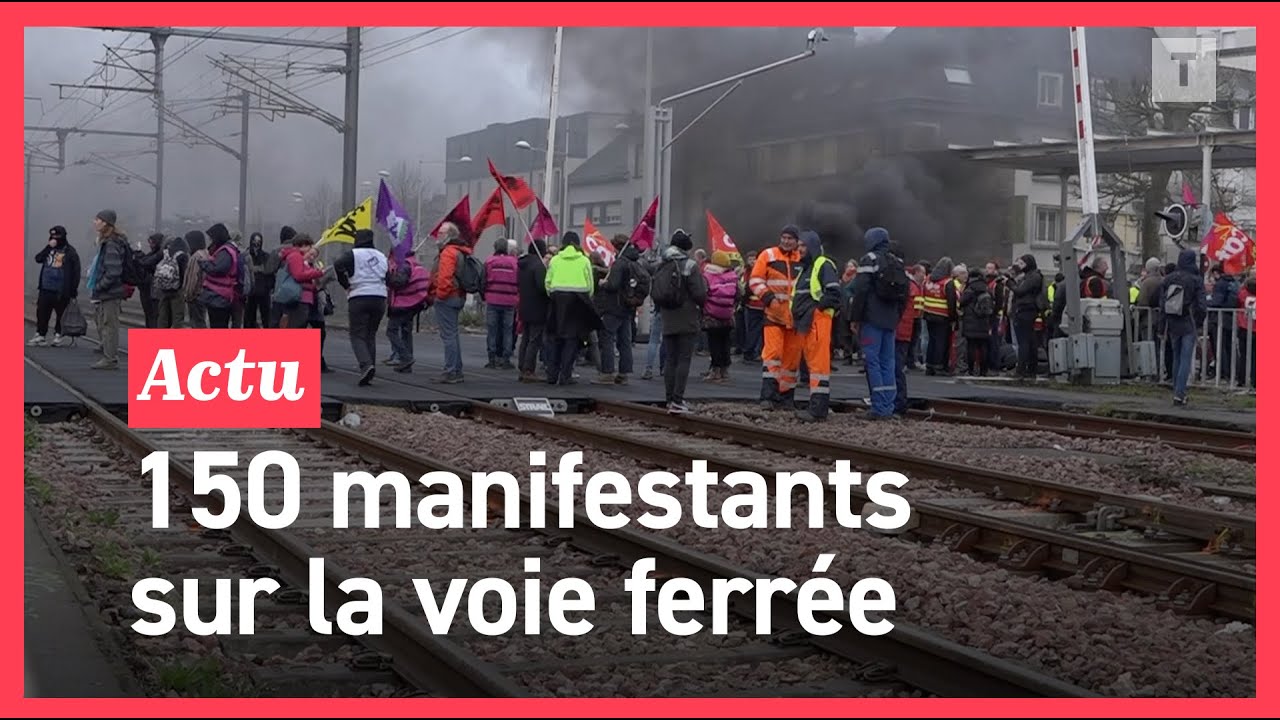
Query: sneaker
[(621, 380), (367, 376), (677, 408), (105, 364), (603, 379), (451, 378), (648, 374), (57, 340), (393, 360), (405, 367), (36, 341)]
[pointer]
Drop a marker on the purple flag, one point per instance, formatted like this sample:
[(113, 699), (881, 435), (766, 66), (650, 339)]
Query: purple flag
[(544, 226), (393, 217)]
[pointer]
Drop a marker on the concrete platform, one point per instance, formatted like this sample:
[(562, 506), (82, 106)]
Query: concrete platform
[(45, 401), (421, 390), (66, 649)]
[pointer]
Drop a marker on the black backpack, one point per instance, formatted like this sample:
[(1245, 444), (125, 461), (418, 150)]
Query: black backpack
[(130, 270), (984, 305), (638, 285), (469, 273), (668, 287), (891, 281)]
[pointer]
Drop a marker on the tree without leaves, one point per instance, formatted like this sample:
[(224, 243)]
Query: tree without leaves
[(1128, 110)]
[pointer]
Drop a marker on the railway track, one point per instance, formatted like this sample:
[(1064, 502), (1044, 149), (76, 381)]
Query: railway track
[(1224, 443), (908, 660), (1123, 543)]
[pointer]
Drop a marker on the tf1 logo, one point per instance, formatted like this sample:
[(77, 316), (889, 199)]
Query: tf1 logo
[(232, 379)]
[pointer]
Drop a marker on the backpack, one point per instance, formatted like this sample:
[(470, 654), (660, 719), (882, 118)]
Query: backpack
[(984, 306), (668, 286), (288, 291), (168, 274), (73, 322), (469, 273), (194, 279), (244, 281), (130, 271), (891, 282), (638, 285), (1174, 304)]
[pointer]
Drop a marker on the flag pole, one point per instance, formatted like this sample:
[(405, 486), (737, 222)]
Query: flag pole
[(551, 117)]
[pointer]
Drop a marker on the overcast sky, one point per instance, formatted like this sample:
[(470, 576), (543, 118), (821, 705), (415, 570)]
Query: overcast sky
[(416, 88)]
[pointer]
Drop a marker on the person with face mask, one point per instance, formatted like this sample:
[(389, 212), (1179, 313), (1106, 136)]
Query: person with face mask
[(58, 285), (264, 265), (147, 260), (1029, 300), (772, 278)]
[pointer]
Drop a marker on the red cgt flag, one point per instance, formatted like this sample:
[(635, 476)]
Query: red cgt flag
[(720, 240), (491, 213), (517, 189), (642, 236), (1227, 244), (595, 241)]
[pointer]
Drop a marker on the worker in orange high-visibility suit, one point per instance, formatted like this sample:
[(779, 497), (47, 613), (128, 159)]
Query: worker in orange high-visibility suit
[(814, 305), (772, 279)]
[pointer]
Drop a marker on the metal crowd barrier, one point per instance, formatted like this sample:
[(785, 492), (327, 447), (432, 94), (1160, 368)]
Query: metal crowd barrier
[(1224, 354)]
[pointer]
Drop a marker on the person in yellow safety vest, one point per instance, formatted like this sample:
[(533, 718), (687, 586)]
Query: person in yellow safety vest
[(815, 301), (570, 284), (937, 317), (772, 280)]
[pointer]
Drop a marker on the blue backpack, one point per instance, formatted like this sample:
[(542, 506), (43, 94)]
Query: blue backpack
[(287, 291)]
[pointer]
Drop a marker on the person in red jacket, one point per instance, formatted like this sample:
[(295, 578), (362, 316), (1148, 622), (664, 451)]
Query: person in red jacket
[(450, 299), (903, 336)]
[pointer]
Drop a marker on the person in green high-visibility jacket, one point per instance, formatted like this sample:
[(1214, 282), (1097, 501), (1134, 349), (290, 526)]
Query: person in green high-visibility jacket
[(572, 317)]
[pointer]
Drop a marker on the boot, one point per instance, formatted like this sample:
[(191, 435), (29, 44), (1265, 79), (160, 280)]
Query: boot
[(724, 375)]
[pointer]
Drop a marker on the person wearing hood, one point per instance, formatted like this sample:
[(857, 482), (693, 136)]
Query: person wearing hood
[(570, 284), (937, 317), (192, 279), (167, 282), (58, 285), (684, 292), (1029, 301), (531, 277), (876, 314), (772, 279), (449, 298), (106, 285), (617, 309), (1184, 309), (362, 272), (817, 298), (977, 309), (220, 274), (263, 264), (718, 314), (147, 260)]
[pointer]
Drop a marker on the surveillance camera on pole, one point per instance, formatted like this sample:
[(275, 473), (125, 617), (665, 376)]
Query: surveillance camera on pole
[(1174, 220)]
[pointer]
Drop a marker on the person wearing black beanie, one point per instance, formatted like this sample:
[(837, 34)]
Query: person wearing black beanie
[(59, 284), (220, 281), (534, 304), (771, 280)]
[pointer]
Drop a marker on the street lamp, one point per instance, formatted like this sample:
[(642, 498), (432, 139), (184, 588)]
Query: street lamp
[(563, 190)]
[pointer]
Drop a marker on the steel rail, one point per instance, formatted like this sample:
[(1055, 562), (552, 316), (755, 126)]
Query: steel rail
[(1224, 443), (426, 661), (1181, 585), (914, 655), (1203, 525)]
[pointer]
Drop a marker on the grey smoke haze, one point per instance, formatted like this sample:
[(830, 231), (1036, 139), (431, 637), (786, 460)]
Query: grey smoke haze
[(409, 104)]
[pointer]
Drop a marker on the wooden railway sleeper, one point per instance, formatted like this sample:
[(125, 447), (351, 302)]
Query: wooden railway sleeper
[(1188, 597)]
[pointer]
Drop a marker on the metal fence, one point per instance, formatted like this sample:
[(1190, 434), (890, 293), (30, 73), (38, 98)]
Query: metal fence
[(1224, 351)]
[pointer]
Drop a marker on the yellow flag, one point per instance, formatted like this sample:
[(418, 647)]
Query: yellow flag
[(344, 231)]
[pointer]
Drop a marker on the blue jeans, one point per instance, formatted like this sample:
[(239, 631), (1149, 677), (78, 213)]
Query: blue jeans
[(880, 350), (400, 334), (1184, 350), (447, 312), (616, 335), (498, 322), (655, 342)]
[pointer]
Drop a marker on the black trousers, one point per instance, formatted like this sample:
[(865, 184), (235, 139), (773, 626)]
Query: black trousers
[(1024, 329), (49, 302), (678, 356), (257, 311), (219, 317), (562, 355), (531, 347), (718, 342), (365, 313), (939, 342), (150, 306)]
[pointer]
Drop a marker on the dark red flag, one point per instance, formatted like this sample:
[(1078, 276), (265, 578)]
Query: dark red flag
[(517, 189), (491, 213), (460, 215)]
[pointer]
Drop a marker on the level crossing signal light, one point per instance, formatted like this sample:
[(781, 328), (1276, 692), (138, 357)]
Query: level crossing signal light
[(1175, 220)]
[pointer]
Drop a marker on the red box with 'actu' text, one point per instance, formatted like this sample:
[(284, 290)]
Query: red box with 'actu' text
[(215, 378)]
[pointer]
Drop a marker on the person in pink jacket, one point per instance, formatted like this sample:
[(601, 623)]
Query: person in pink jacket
[(717, 314)]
